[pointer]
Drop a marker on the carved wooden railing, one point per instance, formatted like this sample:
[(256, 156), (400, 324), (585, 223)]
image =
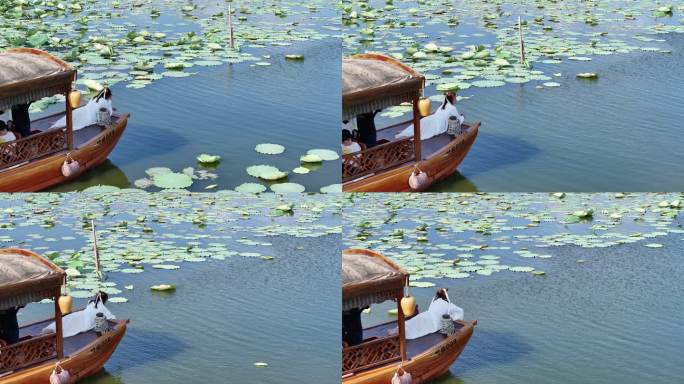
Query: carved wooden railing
[(28, 352), (32, 147), (384, 156), (371, 354)]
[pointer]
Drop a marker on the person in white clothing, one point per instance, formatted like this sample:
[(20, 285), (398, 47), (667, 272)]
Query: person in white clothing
[(349, 145), (88, 114), (83, 321), (5, 134), (438, 122), (429, 321)]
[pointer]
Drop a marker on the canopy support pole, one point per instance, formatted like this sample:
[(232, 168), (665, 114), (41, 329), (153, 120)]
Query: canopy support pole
[(416, 130), (402, 331), (69, 123), (58, 325)]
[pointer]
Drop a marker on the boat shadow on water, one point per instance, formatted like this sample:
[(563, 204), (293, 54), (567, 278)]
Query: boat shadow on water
[(138, 144), (139, 348), (493, 152), (487, 348)]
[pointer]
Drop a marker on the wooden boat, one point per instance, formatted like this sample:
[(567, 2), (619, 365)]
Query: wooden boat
[(34, 163), (31, 360), (368, 278), (372, 82)]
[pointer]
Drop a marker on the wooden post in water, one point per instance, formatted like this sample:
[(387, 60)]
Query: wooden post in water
[(230, 27), (522, 41), (97, 253)]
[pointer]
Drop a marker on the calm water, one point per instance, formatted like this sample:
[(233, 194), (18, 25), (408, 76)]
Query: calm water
[(616, 317), (228, 109), (225, 315), (621, 132)]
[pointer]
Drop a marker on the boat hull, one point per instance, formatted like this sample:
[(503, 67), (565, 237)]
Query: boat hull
[(438, 166), (81, 364), (44, 173), (424, 367)]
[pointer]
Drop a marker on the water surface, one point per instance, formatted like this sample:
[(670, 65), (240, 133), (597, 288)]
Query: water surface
[(601, 313), (619, 132), (254, 286)]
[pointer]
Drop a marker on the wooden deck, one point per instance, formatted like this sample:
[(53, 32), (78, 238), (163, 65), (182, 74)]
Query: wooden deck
[(81, 136), (428, 147), (413, 347)]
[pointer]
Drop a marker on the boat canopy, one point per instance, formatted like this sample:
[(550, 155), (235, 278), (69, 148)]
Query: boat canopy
[(369, 278), (26, 277), (372, 81), (28, 74)]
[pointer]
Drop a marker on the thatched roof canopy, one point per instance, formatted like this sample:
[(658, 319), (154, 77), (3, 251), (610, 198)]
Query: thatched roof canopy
[(368, 278), (30, 74), (373, 81), (26, 277)]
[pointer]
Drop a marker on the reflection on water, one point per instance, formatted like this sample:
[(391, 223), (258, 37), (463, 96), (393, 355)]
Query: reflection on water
[(107, 173)]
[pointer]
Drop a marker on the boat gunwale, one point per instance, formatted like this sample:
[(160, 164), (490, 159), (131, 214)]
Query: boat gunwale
[(467, 327), (473, 131)]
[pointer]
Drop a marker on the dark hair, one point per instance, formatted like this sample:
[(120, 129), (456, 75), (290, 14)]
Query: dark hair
[(3, 126), (105, 92), (101, 297), (448, 97), (346, 135), (441, 294)]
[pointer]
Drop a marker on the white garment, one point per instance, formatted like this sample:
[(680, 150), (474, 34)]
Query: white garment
[(351, 148), (81, 321), (403, 379), (349, 125), (7, 137), (435, 124), (86, 115), (430, 321)]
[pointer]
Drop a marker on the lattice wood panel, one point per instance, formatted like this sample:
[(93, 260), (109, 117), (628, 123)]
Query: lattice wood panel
[(32, 147), (28, 352), (376, 159), (370, 354)]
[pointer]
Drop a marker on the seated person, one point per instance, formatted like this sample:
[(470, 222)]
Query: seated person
[(348, 145), (83, 321), (438, 122), (5, 134), (13, 128), (89, 113), (430, 321)]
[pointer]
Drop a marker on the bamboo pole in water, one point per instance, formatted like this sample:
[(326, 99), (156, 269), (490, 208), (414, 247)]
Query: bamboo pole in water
[(230, 27), (522, 41), (97, 253)]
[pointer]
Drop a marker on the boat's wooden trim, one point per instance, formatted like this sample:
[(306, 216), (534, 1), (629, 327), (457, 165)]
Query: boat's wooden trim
[(377, 159), (427, 366), (39, 349), (438, 166), (81, 364), (371, 354), (33, 147), (46, 172)]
